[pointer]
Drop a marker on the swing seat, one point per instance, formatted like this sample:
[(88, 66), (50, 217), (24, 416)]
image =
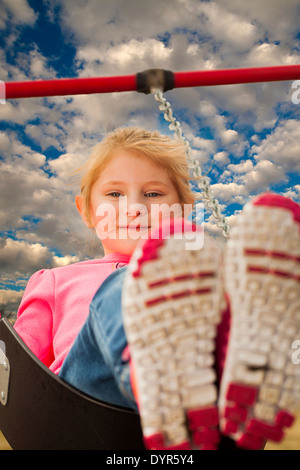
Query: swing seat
[(39, 411)]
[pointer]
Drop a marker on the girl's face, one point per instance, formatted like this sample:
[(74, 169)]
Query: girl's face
[(122, 197)]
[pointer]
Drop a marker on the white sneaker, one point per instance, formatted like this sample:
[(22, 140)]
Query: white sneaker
[(172, 305)]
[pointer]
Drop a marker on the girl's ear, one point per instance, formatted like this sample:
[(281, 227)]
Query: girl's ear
[(80, 208)]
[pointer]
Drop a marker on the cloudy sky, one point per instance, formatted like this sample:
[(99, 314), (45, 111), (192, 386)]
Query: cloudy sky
[(251, 131)]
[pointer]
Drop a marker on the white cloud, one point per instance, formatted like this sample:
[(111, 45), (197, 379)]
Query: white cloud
[(222, 158), (123, 57), (276, 18), (228, 27), (243, 167), (20, 258), (247, 179), (227, 138), (65, 166), (39, 208), (11, 299), (262, 176), (133, 51), (121, 21), (59, 261), (281, 146), (293, 193), (229, 192), (21, 12), (267, 55)]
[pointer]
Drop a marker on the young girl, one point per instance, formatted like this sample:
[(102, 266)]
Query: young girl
[(164, 296)]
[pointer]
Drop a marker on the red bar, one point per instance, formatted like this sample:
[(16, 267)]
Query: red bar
[(70, 86), (82, 86), (235, 76)]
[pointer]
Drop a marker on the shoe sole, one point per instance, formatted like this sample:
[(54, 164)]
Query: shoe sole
[(260, 388), (171, 309)]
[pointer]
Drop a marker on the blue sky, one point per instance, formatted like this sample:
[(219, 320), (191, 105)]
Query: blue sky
[(250, 131)]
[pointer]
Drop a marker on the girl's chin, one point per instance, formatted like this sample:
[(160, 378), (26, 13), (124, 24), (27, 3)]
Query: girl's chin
[(125, 247)]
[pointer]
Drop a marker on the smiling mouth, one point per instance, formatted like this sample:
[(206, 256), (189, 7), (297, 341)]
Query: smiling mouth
[(134, 227)]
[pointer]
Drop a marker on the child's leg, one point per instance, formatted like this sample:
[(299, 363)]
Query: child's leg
[(171, 305), (94, 364), (261, 384)]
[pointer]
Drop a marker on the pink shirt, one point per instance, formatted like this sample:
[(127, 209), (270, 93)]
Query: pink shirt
[(56, 304)]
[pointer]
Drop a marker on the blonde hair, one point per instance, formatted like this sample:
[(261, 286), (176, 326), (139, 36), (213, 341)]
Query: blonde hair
[(162, 150)]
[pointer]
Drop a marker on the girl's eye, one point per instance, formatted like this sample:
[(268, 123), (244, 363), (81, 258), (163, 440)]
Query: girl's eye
[(114, 194), (153, 194)]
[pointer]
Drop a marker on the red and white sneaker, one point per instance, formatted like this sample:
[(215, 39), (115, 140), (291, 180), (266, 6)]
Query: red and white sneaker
[(260, 389), (172, 305)]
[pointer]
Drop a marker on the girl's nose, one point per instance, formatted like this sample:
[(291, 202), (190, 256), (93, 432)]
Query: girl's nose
[(131, 207), (135, 210)]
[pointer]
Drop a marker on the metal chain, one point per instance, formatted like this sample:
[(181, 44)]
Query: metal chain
[(194, 165)]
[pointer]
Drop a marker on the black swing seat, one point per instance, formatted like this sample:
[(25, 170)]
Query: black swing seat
[(39, 411)]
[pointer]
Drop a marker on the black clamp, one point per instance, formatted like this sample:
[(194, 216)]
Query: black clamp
[(154, 78)]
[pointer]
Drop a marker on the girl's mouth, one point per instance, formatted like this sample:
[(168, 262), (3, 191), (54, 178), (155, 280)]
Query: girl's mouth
[(135, 227)]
